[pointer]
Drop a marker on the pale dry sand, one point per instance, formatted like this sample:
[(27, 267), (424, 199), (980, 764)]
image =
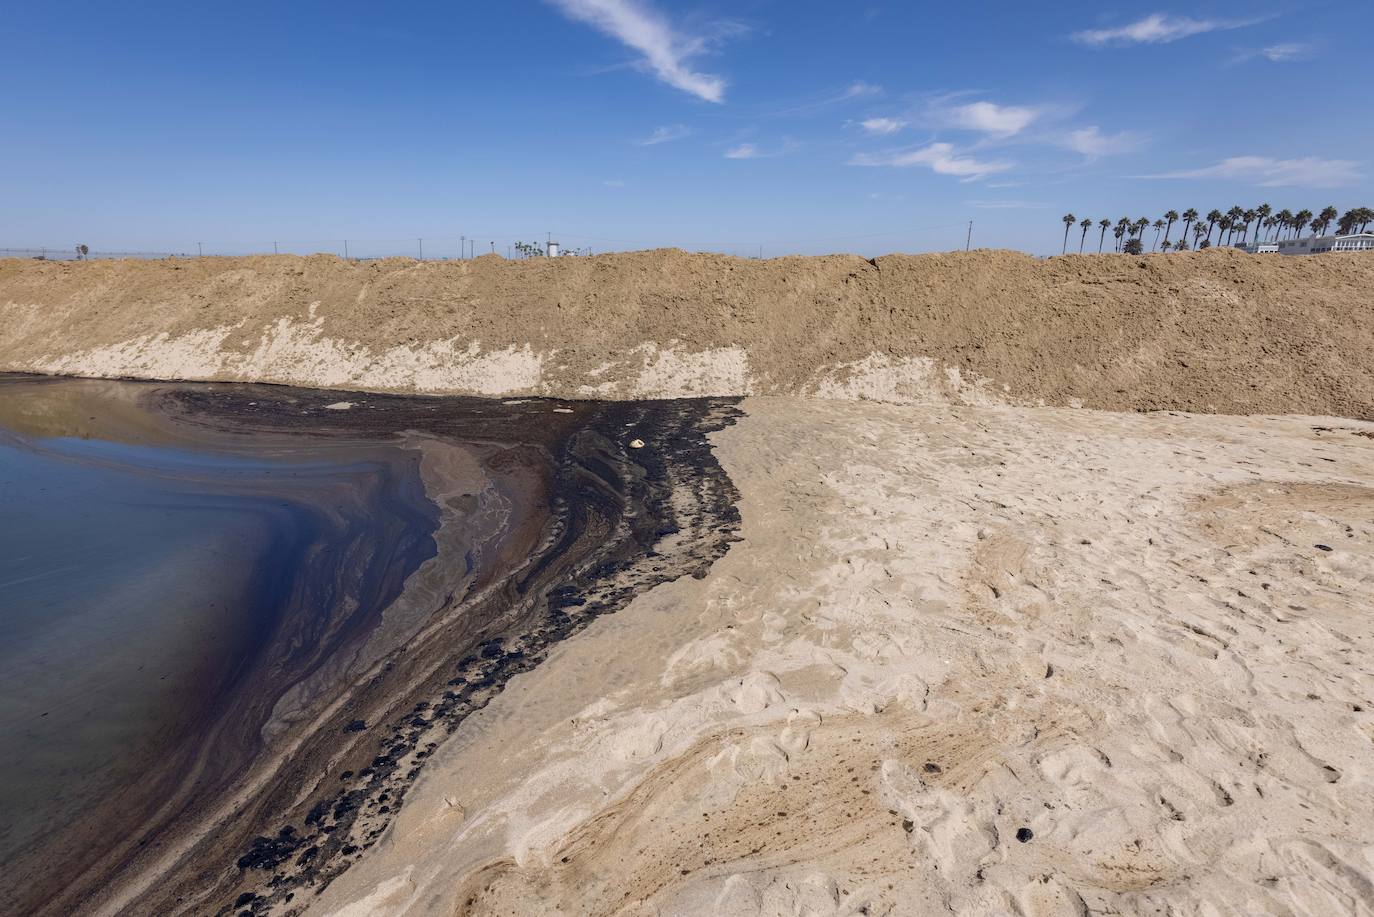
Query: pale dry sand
[(942, 626)]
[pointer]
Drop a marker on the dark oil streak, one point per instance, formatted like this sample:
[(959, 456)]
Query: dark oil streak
[(608, 507)]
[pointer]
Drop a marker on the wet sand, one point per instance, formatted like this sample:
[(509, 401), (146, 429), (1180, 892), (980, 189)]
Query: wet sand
[(426, 550)]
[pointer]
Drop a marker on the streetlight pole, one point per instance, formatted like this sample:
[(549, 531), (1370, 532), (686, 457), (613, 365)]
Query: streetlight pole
[(422, 248)]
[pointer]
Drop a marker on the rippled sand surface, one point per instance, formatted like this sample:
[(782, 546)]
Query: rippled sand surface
[(973, 660)]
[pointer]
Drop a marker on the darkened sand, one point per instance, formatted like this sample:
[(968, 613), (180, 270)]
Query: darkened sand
[(241, 617)]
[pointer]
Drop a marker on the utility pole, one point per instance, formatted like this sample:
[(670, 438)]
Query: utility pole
[(969, 240), (493, 247), (274, 249), (200, 253), (345, 249), (422, 248), (463, 248)]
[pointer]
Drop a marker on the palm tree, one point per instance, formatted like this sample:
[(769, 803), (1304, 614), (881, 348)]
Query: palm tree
[(1069, 219), (1199, 231), (1141, 225), (1325, 219), (1189, 216), (1158, 225), (1213, 218), (1086, 225), (1248, 217), (1301, 219), (1366, 216), (1262, 211), (1224, 229), (1284, 217), (1236, 214), (1105, 224), (1170, 216), (1119, 232)]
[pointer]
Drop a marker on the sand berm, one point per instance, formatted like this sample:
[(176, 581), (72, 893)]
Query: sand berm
[(1213, 331)]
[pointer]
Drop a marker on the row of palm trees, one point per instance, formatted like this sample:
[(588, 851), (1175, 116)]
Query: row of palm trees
[(1232, 227)]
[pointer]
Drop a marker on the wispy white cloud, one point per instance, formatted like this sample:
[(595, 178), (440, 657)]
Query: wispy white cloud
[(991, 118), (666, 134), (666, 50), (1308, 171), (940, 158), (1092, 142), (820, 101), (1284, 53), (613, 183), (1157, 28), (1288, 51), (750, 150), (859, 89), (1006, 205), (882, 126)]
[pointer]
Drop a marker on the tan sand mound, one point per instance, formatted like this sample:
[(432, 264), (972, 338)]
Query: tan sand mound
[(1209, 331)]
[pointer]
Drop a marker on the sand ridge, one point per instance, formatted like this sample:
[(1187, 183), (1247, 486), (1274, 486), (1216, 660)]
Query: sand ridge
[(972, 660), (1207, 331)]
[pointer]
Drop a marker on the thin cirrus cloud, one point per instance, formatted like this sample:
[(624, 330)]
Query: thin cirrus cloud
[(859, 89), (1284, 53), (666, 134), (1157, 28), (1091, 142), (753, 151), (940, 158), (991, 118), (1307, 171), (666, 51), (882, 126)]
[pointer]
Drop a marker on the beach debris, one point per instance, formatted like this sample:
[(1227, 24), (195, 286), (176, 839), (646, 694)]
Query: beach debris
[(1024, 834), (339, 406), (636, 444)]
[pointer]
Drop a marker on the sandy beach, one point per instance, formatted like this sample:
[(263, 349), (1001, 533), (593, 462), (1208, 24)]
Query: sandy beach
[(975, 660), (988, 585)]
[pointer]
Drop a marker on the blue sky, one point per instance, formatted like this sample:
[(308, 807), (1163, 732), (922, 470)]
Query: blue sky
[(793, 125)]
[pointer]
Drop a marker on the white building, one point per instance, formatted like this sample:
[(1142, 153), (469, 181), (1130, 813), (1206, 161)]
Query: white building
[(1313, 245)]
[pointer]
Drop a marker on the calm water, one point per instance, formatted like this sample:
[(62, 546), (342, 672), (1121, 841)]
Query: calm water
[(139, 582)]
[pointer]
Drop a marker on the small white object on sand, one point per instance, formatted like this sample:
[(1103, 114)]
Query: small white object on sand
[(339, 406), (636, 444)]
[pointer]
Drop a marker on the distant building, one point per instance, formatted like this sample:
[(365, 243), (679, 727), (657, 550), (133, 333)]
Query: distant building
[(1312, 245)]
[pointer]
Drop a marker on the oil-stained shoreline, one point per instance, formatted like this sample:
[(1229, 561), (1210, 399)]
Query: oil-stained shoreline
[(604, 522)]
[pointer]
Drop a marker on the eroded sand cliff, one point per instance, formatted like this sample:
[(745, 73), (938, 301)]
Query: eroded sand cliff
[(1209, 331)]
